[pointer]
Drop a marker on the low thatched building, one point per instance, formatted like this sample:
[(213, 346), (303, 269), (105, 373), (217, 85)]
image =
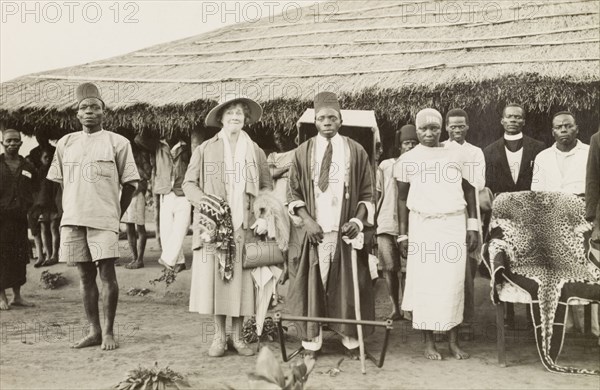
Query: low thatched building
[(391, 57)]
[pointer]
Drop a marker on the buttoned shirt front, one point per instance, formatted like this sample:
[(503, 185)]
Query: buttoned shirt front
[(329, 203), (555, 170)]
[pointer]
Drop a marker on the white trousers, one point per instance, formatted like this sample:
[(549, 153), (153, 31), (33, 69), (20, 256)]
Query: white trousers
[(175, 218), (326, 251)]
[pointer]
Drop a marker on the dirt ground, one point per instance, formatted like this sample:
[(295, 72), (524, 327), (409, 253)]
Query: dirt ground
[(35, 353)]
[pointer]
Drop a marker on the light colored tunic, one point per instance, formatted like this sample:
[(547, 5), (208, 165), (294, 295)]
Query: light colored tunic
[(387, 213), (91, 168), (435, 272), (561, 171)]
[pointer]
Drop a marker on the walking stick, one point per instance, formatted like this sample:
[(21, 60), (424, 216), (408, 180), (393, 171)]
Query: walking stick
[(357, 244)]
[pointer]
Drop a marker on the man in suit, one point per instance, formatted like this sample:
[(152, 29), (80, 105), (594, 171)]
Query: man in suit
[(509, 164), (510, 160)]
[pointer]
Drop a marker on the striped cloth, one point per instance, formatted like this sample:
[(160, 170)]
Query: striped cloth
[(216, 227)]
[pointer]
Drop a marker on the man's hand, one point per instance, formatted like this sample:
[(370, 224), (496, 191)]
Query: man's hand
[(350, 229), (403, 248), (472, 240), (313, 231)]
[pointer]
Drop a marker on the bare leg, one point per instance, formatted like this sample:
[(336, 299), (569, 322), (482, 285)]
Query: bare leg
[(55, 233), (157, 219), (46, 238), (132, 240), (3, 301), (142, 237), (393, 285), (431, 351), (89, 291), (110, 298), (453, 345), (18, 299), (39, 249)]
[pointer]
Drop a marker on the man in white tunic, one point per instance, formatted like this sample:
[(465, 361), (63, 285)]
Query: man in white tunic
[(457, 126), (432, 196), (562, 168)]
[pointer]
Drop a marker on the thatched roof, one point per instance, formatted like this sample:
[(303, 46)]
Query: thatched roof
[(390, 56)]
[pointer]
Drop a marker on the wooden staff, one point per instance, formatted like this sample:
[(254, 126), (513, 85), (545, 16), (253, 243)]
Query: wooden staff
[(357, 244)]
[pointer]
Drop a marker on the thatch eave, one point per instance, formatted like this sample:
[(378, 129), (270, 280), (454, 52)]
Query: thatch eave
[(375, 54), (392, 105)]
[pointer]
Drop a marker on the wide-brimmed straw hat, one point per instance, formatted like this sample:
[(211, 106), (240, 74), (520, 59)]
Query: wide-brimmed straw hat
[(255, 110)]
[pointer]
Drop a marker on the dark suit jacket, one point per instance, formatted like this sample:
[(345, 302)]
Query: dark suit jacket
[(592, 179), (497, 171)]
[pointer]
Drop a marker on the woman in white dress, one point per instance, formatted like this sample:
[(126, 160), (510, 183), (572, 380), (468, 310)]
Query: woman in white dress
[(432, 196)]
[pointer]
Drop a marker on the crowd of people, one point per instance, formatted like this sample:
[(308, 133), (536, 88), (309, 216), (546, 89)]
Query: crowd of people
[(424, 214)]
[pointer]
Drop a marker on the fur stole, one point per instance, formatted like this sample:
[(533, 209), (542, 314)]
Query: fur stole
[(268, 207)]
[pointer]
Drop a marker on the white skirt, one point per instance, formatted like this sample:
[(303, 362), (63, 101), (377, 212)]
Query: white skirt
[(435, 271)]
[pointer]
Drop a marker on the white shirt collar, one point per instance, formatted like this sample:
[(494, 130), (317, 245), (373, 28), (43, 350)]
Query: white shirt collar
[(513, 137), (334, 140), (95, 134), (578, 145)]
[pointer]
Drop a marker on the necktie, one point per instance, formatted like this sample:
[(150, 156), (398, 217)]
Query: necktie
[(325, 165)]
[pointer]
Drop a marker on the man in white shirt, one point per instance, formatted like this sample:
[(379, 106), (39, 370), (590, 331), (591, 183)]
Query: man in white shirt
[(561, 167), (457, 126)]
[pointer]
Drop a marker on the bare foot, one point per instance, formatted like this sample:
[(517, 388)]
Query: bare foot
[(135, 265), (432, 353), (4, 304), (21, 302), (457, 352), (50, 261), (109, 343), (88, 341)]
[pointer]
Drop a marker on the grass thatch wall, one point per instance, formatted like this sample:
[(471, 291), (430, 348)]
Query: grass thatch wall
[(392, 57)]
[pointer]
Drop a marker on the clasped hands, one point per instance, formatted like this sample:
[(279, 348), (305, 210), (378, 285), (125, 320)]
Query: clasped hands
[(315, 234)]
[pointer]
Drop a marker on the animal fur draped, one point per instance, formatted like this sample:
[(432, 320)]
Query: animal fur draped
[(540, 242), (268, 207)]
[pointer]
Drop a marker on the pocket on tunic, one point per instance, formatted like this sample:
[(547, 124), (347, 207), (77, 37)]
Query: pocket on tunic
[(105, 168)]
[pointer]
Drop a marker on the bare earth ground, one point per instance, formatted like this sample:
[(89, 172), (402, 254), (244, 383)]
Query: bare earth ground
[(35, 353)]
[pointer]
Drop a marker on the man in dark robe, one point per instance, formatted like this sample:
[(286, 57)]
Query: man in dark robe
[(509, 165), (331, 189)]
